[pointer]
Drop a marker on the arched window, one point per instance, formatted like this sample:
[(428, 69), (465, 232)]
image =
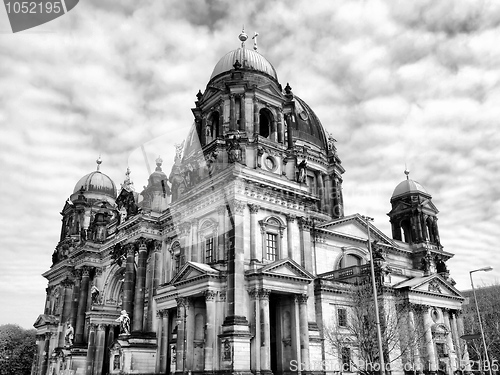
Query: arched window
[(212, 128), (208, 236), (265, 123), (352, 260), (272, 233), (405, 225), (178, 254)]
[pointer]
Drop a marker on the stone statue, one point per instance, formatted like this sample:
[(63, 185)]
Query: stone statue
[(124, 320), (69, 335), (178, 151), (94, 292), (302, 172)]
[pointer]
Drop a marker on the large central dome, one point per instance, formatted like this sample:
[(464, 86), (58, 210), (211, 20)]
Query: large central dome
[(248, 59)]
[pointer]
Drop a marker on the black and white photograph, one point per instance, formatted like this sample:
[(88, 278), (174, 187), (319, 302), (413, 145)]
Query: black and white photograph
[(263, 187)]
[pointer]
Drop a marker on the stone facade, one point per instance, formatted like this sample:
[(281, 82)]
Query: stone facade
[(242, 259)]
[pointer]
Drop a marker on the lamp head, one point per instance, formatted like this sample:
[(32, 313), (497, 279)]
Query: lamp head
[(485, 269)]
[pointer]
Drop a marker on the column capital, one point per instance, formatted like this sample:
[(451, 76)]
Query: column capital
[(156, 246), (290, 218), (162, 313), (86, 271), (254, 293), (238, 207), (304, 223), (221, 209), (183, 302), (195, 222), (302, 298), (130, 248), (67, 283), (264, 294), (210, 295), (101, 327), (77, 274), (141, 244), (254, 208), (222, 296)]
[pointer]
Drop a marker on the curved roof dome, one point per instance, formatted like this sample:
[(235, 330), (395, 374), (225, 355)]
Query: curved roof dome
[(408, 186), (96, 182), (308, 127), (249, 59)]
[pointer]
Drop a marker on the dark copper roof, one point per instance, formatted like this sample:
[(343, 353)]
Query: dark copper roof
[(248, 59)]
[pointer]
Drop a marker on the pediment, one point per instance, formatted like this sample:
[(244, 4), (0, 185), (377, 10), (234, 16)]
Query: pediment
[(270, 89), (433, 284), (67, 206), (44, 320), (285, 268), (355, 226), (194, 270)]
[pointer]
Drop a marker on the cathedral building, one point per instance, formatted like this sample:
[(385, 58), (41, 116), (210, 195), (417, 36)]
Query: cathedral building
[(242, 259)]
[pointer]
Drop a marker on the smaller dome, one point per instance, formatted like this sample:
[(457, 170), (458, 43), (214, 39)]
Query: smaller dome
[(249, 59), (408, 186), (96, 182)]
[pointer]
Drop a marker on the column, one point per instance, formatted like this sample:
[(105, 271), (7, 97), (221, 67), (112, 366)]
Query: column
[(189, 333), (321, 190), (82, 306), (210, 329), (128, 284), (304, 330), (296, 330), (181, 334), (164, 348), (456, 342), (232, 118), (265, 331), (289, 234), (465, 352), (242, 113), (99, 349), (256, 117), (255, 330), (429, 343), (328, 194), (195, 245), (221, 211), (305, 244), (89, 364), (236, 272), (449, 340), (66, 308), (413, 341), (77, 277), (253, 232), (140, 287), (45, 354), (155, 282)]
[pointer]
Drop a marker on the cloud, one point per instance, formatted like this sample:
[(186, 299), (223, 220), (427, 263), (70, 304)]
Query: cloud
[(394, 82)]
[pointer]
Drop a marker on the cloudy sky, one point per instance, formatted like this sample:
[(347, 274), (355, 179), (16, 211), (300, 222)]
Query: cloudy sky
[(394, 82)]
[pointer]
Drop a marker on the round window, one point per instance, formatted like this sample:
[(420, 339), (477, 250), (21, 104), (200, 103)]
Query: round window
[(270, 163), (435, 315)]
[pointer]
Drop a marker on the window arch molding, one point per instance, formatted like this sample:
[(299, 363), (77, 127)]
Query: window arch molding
[(272, 229), (208, 236), (348, 253)]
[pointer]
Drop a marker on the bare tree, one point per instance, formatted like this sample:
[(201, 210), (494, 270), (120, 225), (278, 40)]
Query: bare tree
[(488, 299), (402, 341)]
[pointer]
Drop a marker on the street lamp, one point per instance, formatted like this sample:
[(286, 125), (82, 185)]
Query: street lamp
[(374, 286), (485, 269)]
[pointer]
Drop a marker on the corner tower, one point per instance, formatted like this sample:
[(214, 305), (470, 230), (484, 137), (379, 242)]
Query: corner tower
[(413, 216)]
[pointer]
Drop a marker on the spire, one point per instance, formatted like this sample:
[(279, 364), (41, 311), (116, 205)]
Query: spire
[(158, 161), (99, 162), (243, 37), (127, 183), (255, 41)]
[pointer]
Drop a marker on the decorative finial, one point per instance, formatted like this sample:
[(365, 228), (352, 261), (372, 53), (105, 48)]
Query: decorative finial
[(159, 160), (237, 64), (407, 172), (127, 184), (199, 95), (243, 37), (99, 162), (255, 41)]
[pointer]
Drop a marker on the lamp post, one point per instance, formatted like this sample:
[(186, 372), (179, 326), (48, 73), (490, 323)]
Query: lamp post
[(485, 269), (375, 299)]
